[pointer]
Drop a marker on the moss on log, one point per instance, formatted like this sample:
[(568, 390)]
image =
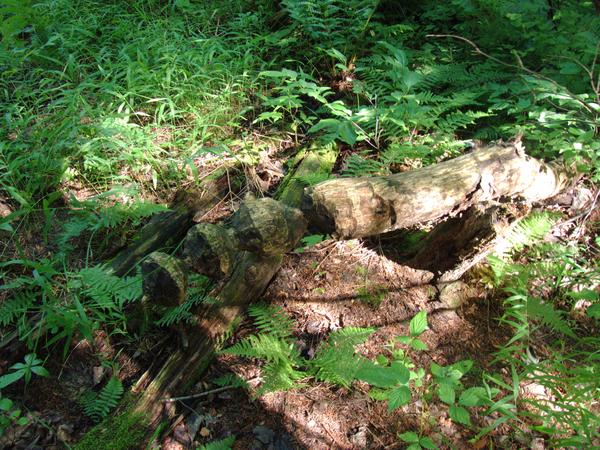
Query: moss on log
[(210, 249)]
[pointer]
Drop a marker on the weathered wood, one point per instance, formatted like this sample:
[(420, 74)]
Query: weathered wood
[(181, 370), (459, 243), (249, 277), (267, 226), (210, 249), (164, 279), (169, 228), (314, 162), (367, 206)]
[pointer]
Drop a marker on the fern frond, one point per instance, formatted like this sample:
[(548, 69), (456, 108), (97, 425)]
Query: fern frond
[(359, 166), (313, 178), (230, 379), (13, 308), (181, 313), (349, 336), (525, 232), (223, 444), (265, 346), (107, 290), (336, 361), (271, 320), (279, 376), (548, 315), (98, 406)]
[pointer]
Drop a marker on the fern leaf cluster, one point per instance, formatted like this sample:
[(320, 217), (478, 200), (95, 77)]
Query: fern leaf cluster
[(330, 22), (197, 294), (222, 444), (97, 406), (335, 362), (93, 217), (272, 321), (107, 290), (15, 307)]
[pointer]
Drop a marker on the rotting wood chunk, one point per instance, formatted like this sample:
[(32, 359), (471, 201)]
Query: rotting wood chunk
[(164, 279)]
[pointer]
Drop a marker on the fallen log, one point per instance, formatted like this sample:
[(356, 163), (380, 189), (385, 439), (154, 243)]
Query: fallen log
[(169, 228), (260, 232), (368, 206)]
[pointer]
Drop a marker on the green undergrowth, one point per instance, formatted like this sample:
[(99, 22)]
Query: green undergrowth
[(108, 108)]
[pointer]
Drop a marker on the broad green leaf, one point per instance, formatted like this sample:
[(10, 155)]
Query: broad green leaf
[(418, 324), (5, 404), (22, 421), (436, 370), (594, 311), (585, 294), (398, 397), (447, 394), (427, 443), (39, 370), (459, 415), (10, 378), (382, 360), (413, 447), (457, 370), (6, 226), (409, 437), (418, 344), (569, 68), (384, 377), (474, 396), (346, 132)]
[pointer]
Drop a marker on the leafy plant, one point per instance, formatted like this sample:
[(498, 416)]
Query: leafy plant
[(416, 442), (196, 294), (275, 346), (335, 361), (97, 406), (31, 365), (10, 415), (223, 444)]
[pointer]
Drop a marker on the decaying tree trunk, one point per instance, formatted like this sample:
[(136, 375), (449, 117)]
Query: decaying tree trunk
[(368, 206), (169, 227), (247, 253), (459, 243)]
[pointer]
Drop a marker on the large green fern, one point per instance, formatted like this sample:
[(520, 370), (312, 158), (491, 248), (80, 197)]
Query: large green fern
[(97, 406), (271, 320), (336, 360)]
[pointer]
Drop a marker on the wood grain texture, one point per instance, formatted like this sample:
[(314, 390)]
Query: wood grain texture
[(368, 206)]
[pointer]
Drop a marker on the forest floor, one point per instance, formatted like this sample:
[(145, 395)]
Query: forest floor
[(328, 286), (113, 112)]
